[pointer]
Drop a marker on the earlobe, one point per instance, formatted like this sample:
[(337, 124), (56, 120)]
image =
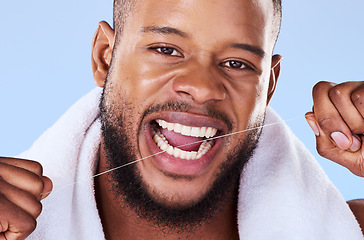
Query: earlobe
[(102, 46), (274, 75)]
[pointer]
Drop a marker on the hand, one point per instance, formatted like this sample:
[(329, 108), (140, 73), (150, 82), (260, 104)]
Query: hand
[(21, 189), (338, 123)]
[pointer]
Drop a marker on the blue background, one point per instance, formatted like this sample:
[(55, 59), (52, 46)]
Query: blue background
[(45, 65)]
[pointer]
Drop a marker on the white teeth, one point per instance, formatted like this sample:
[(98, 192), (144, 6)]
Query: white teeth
[(170, 150), (162, 143), (206, 132), (163, 124), (177, 127), (186, 130), (195, 132), (170, 126), (177, 152), (182, 154), (203, 131)]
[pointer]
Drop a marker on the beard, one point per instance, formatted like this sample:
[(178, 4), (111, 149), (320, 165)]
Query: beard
[(128, 186)]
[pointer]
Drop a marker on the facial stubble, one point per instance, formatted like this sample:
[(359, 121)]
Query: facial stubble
[(130, 189)]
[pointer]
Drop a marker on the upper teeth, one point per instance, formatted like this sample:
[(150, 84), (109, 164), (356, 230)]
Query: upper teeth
[(206, 132)]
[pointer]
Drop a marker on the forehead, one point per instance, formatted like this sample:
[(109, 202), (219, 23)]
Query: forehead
[(249, 21)]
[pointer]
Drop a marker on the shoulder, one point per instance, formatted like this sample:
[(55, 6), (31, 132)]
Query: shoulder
[(357, 207)]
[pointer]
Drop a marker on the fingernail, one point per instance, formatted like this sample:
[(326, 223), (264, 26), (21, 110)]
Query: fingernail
[(356, 144), (44, 195), (313, 126), (341, 140)]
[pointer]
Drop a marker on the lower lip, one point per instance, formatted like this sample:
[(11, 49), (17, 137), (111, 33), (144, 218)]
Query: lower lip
[(176, 166)]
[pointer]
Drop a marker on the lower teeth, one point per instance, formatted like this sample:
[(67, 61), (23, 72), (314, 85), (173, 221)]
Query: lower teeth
[(162, 143)]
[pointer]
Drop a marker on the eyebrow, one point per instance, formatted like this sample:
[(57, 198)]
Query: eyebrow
[(164, 30), (170, 31), (251, 48)]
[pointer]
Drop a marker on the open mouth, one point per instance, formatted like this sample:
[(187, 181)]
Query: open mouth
[(181, 141)]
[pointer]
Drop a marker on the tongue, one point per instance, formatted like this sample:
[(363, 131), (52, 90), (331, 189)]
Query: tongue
[(179, 140)]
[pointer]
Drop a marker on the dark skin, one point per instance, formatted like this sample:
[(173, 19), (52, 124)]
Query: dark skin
[(197, 70), (337, 121), (337, 108), (22, 186)]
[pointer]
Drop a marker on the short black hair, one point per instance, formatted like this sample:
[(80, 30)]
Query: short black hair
[(123, 8)]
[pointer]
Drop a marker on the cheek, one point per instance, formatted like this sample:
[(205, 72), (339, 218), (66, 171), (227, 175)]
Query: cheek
[(260, 104), (249, 103), (142, 79)]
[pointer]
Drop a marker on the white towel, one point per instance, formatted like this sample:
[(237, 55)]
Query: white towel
[(284, 194)]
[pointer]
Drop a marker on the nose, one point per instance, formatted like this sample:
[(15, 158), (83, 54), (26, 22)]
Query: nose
[(201, 84)]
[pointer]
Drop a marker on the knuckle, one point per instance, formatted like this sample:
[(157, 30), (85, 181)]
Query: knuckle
[(337, 93), (36, 167), (325, 123), (319, 86), (358, 98)]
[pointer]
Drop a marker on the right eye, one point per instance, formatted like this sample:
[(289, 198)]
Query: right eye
[(167, 51), (234, 64)]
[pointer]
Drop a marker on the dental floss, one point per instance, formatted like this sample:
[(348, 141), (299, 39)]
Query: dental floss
[(213, 138)]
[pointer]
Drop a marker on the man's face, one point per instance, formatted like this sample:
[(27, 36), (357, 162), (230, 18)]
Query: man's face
[(184, 71)]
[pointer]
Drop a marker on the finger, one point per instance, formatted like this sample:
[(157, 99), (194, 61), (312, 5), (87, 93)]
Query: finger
[(328, 118), (29, 165), (22, 178), (356, 146), (17, 223), (21, 198), (357, 97), (328, 149), (312, 122), (48, 187), (341, 97)]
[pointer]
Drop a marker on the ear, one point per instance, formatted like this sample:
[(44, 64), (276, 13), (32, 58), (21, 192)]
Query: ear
[(274, 75), (101, 53)]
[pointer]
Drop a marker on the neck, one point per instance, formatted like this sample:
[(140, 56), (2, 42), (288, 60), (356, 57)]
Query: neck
[(121, 222)]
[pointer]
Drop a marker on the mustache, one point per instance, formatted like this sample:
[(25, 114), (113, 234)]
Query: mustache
[(178, 106)]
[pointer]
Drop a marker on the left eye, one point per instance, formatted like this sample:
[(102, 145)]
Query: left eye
[(168, 51), (233, 64)]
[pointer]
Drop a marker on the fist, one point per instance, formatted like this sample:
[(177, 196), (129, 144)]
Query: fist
[(22, 187), (338, 123)]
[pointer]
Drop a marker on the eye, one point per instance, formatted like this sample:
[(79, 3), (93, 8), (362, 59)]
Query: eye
[(234, 64), (167, 51)]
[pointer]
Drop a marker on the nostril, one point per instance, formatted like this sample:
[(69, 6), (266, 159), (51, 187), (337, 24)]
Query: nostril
[(184, 95), (199, 90)]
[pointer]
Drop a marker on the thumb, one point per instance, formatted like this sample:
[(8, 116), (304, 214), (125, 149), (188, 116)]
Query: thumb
[(48, 186)]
